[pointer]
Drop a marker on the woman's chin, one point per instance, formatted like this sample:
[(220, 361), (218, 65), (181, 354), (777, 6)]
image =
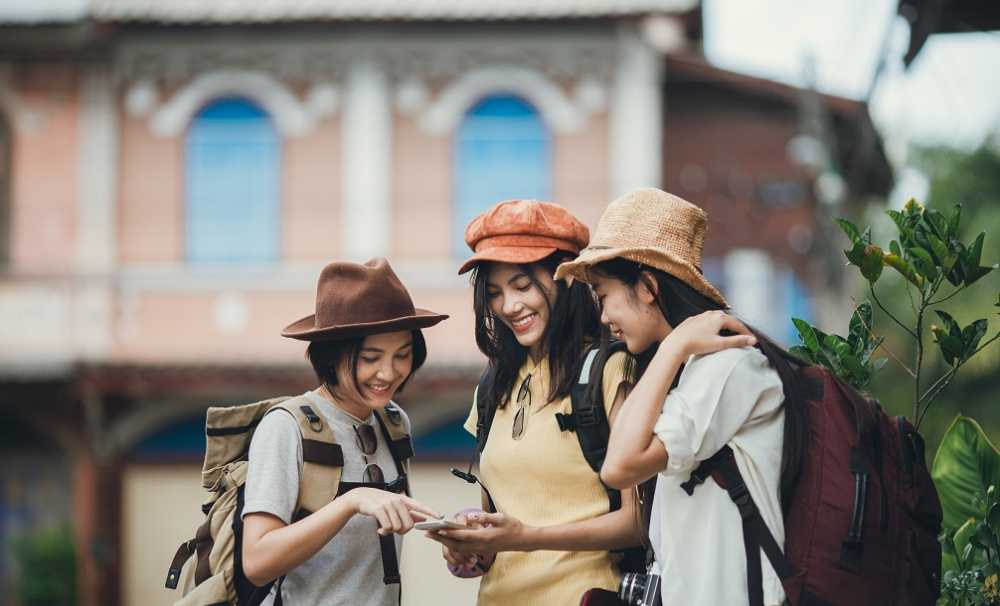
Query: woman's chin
[(376, 399)]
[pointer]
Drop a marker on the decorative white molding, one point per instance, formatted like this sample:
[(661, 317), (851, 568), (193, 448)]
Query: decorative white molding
[(141, 98), (366, 167), (323, 100), (22, 119), (291, 117), (636, 116), (561, 113), (98, 161), (411, 96)]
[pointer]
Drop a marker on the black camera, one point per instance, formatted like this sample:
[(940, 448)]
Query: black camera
[(639, 589)]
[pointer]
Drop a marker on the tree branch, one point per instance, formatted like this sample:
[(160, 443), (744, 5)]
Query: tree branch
[(940, 301), (944, 380), (888, 313)]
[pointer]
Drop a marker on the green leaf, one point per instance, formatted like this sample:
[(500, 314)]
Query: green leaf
[(966, 464), (894, 248), (993, 517), (949, 323), (808, 334), (943, 255), (954, 220), (974, 254), (963, 539), (973, 274), (951, 349), (924, 263), (972, 335), (937, 223), (859, 334), (850, 229), (856, 255), (838, 345), (803, 353), (871, 264)]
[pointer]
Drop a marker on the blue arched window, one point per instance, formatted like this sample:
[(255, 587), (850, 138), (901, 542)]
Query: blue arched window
[(502, 151), (232, 168)]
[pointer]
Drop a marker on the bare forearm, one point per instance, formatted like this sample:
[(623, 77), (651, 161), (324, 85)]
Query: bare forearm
[(613, 530), (279, 550), (632, 436)]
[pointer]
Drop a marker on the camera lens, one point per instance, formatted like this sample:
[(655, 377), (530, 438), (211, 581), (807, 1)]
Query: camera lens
[(633, 587)]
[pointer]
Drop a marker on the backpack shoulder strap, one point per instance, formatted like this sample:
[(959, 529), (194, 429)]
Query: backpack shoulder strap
[(484, 412), (394, 430), (588, 417), (322, 457)]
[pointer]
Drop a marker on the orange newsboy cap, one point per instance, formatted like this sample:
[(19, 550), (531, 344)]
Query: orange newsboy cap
[(523, 231)]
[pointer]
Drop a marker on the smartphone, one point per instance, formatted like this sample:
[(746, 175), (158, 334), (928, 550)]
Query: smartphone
[(438, 525)]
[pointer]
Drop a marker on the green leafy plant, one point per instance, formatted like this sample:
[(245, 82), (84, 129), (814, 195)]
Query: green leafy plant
[(46, 559), (966, 472), (933, 261), (850, 357)]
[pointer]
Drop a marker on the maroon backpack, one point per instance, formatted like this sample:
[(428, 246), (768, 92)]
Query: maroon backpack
[(862, 524)]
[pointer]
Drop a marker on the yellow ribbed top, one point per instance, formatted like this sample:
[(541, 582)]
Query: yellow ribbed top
[(542, 479)]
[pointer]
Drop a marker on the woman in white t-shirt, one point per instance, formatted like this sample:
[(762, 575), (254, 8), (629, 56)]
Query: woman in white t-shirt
[(705, 381)]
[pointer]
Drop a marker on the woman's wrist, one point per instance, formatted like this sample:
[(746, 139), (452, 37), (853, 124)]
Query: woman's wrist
[(529, 538)]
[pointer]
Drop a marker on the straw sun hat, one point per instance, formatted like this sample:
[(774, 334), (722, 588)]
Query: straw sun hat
[(651, 227)]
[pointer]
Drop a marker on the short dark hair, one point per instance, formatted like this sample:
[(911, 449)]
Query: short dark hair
[(325, 356)]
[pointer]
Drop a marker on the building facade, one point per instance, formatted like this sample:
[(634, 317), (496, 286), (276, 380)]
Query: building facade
[(173, 177)]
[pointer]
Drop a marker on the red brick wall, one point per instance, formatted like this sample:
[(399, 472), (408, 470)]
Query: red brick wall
[(723, 151)]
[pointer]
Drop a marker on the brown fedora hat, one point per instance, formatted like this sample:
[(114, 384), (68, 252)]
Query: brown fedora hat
[(652, 227), (523, 231), (354, 300)]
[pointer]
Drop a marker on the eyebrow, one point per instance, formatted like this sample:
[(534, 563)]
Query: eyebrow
[(378, 350), (516, 276)]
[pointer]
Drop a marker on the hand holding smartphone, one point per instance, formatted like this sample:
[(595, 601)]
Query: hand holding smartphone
[(439, 525)]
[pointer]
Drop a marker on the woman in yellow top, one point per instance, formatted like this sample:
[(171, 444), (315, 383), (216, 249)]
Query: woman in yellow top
[(553, 531)]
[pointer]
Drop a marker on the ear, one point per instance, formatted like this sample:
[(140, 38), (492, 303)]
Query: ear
[(646, 288)]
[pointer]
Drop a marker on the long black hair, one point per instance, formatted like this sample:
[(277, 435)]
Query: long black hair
[(677, 301), (574, 322)]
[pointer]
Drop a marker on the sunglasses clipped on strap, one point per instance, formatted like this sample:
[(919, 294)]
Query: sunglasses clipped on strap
[(367, 442)]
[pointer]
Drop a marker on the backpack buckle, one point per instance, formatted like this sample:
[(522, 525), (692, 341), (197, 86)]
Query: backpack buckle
[(566, 422), (741, 496), (315, 423), (394, 413)]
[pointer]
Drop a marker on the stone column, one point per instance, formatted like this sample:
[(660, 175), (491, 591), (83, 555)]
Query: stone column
[(96, 249), (636, 115), (367, 162)]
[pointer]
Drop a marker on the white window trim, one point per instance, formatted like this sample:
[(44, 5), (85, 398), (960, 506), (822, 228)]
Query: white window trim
[(560, 113), (291, 117)]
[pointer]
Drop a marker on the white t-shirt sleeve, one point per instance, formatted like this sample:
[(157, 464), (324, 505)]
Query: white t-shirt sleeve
[(275, 465), (717, 394)]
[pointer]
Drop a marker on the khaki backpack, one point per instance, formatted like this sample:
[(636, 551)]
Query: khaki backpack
[(215, 576)]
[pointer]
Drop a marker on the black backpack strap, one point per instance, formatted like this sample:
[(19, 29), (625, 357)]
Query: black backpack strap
[(756, 535), (588, 417), (484, 421), (401, 448)]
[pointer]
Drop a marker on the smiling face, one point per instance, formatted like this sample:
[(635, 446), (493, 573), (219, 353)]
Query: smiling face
[(385, 361), (519, 304), (630, 313)]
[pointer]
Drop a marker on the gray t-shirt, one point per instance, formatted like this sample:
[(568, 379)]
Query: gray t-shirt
[(348, 570)]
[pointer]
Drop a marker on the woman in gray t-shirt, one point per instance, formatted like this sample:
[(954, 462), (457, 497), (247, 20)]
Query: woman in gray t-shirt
[(364, 345)]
